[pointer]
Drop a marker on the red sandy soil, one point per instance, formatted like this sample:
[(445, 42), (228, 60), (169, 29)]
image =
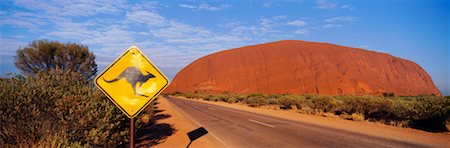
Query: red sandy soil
[(182, 124), (301, 67)]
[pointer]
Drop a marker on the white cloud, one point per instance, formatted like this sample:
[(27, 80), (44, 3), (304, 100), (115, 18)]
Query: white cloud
[(113, 35), (340, 18), (331, 26), (74, 8), (151, 19), (180, 30), (304, 32), (336, 22), (298, 23), (231, 24), (364, 47), (272, 21), (187, 6), (9, 46), (347, 6), (205, 6), (25, 20), (72, 30), (324, 4), (267, 5), (19, 23)]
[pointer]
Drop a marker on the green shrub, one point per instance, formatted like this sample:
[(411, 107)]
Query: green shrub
[(388, 94), (232, 100), (57, 108), (223, 98), (324, 104), (286, 101), (256, 100), (299, 101), (241, 98), (273, 101), (209, 98), (378, 108)]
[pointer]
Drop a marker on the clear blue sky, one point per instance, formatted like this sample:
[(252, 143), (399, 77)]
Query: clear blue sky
[(174, 33)]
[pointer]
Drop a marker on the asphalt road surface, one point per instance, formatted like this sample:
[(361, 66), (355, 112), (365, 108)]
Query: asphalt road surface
[(236, 128)]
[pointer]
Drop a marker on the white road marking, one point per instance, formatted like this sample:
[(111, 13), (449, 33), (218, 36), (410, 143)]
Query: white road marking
[(211, 108), (262, 123)]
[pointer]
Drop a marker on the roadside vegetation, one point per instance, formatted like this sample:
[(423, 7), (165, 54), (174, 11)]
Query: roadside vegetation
[(54, 104), (428, 113)]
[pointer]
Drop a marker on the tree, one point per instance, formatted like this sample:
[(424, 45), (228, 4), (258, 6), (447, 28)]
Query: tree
[(44, 55)]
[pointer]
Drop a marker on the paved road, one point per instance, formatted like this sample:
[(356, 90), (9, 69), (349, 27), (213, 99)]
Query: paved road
[(236, 128)]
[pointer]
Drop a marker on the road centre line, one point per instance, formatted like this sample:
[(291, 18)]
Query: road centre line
[(262, 123)]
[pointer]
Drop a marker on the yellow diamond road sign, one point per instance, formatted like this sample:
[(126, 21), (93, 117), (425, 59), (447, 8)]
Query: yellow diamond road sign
[(132, 81)]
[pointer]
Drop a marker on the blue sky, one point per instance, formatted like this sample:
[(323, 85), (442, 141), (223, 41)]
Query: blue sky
[(174, 33)]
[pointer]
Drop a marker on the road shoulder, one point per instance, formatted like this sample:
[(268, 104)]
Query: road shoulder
[(183, 125)]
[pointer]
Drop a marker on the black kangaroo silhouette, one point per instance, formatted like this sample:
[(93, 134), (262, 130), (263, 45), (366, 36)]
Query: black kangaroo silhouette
[(133, 75)]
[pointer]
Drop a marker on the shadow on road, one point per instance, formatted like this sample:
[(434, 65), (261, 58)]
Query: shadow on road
[(153, 133), (195, 134)]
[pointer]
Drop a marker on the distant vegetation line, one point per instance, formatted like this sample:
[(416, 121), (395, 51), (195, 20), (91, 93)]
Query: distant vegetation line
[(430, 113)]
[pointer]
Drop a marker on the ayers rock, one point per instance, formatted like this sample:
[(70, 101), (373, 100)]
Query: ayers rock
[(299, 67)]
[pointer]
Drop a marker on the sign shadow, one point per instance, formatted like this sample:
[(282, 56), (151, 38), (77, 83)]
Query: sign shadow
[(195, 134)]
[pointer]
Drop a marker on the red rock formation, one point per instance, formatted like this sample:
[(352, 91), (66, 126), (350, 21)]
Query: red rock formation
[(300, 67)]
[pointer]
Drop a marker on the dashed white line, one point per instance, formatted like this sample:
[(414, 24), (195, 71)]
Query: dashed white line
[(211, 108), (262, 123)]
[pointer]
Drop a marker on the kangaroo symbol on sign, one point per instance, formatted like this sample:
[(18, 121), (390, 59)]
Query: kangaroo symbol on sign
[(133, 75)]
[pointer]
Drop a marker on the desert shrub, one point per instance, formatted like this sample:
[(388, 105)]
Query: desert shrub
[(256, 100), (429, 112), (377, 108), (223, 97), (241, 98), (286, 101), (299, 101), (232, 99), (416, 111), (274, 96), (373, 108), (352, 105), (44, 55), (323, 104), (177, 93), (208, 97), (388, 94), (58, 108), (310, 96), (189, 95), (273, 101)]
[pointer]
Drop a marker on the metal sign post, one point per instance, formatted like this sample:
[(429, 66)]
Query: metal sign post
[(131, 132)]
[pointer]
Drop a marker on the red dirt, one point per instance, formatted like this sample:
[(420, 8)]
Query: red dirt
[(300, 67)]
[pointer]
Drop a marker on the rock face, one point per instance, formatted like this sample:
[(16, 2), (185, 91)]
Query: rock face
[(299, 67)]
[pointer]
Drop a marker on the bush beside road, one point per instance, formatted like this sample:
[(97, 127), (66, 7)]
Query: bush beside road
[(59, 109)]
